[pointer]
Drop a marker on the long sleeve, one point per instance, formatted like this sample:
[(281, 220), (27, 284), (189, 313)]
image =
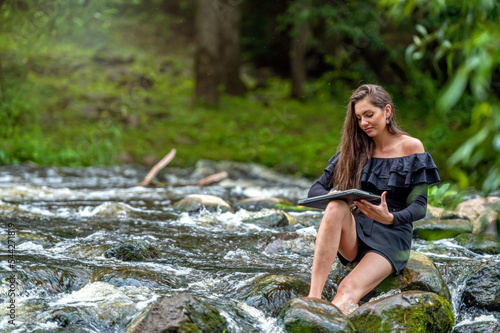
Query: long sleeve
[(323, 184), (415, 211)]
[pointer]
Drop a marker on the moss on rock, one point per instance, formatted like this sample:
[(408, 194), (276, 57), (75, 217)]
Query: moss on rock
[(410, 311), (133, 251)]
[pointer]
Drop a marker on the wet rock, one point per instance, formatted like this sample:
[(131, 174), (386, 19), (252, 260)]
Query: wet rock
[(136, 277), (270, 293), (310, 219), (475, 207), (478, 327), (410, 311), (136, 250), (291, 244), (256, 204), (197, 202), (482, 289), (182, 313), (313, 315), (481, 243), (434, 229), (270, 218), (419, 274), (483, 220)]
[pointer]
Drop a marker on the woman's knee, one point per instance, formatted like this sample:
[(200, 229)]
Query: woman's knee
[(348, 287), (336, 207)]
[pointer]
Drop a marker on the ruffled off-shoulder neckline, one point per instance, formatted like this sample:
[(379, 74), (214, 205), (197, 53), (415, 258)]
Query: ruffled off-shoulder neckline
[(402, 171)]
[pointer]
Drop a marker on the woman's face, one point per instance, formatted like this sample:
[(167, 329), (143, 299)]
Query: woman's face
[(371, 119)]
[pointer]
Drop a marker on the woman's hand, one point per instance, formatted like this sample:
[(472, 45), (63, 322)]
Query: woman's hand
[(379, 213)]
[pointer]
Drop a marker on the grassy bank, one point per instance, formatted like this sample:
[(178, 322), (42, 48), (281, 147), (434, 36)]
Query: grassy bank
[(119, 90)]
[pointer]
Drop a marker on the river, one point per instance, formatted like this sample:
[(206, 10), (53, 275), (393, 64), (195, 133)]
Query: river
[(61, 220)]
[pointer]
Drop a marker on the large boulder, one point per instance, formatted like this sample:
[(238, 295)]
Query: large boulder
[(419, 274), (313, 315), (270, 218), (475, 207), (434, 229), (136, 250), (482, 289), (256, 204), (270, 293), (483, 220), (182, 313), (410, 311), (479, 243), (197, 202)]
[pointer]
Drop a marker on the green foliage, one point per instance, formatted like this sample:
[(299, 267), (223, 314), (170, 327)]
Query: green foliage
[(462, 38), (444, 196)]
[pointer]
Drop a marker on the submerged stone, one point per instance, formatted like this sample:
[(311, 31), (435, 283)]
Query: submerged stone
[(256, 204), (136, 277), (419, 274), (434, 229), (136, 250), (182, 313), (270, 218), (478, 327), (410, 311), (271, 292), (291, 244), (482, 289), (480, 243), (313, 315), (198, 202)]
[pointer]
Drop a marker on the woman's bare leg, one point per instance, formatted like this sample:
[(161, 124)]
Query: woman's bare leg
[(369, 272), (337, 232)]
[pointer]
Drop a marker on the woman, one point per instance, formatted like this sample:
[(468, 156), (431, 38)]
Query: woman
[(376, 156)]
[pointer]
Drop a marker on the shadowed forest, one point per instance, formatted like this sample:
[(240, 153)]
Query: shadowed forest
[(85, 83)]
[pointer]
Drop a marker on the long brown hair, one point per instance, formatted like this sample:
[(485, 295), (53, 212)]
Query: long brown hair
[(356, 146)]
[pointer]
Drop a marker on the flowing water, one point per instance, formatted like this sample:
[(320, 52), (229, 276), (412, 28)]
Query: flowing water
[(63, 219)]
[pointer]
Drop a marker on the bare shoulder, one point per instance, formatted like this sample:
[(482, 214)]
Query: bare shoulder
[(412, 145)]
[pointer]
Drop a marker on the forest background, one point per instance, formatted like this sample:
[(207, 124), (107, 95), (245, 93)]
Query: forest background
[(87, 83)]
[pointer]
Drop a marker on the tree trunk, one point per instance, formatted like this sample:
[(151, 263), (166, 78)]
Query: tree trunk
[(229, 16), (298, 49), (207, 52)]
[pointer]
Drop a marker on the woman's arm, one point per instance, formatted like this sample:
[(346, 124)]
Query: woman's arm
[(415, 211), (323, 184)]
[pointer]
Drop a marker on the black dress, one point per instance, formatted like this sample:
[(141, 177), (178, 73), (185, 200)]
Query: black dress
[(405, 179)]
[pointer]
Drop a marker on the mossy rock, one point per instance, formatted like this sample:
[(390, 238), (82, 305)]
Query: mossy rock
[(419, 274), (270, 218), (182, 313), (197, 202), (313, 315), (133, 251), (410, 311), (256, 204), (481, 243), (435, 229), (270, 293)]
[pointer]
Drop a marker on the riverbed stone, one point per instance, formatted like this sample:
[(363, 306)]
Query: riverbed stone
[(419, 274), (197, 202), (434, 229), (409, 311), (256, 204), (478, 327), (313, 315), (482, 289), (291, 243), (479, 243), (135, 250), (182, 313), (270, 293), (136, 277), (270, 218)]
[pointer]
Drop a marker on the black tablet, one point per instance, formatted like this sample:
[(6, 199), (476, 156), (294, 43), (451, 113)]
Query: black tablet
[(348, 196)]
